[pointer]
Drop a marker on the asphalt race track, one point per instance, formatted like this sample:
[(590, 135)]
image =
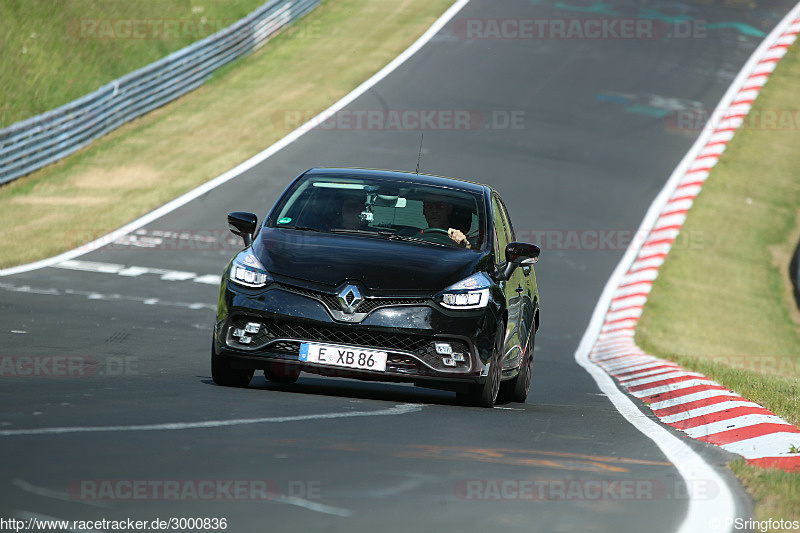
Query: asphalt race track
[(576, 135)]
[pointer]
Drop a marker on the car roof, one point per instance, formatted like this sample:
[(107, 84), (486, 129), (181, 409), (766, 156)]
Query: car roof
[(410, 177)]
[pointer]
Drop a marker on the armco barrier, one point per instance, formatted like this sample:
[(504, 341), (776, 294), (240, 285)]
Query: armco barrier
[(38, 141)]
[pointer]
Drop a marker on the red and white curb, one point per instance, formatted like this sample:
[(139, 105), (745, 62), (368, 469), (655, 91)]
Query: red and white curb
[(688, 401)]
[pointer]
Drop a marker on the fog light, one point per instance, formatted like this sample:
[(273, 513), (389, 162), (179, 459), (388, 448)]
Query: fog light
[(252, 327), (448, 361), (443, 348), (245, 340), (458, 357), (238, 333)]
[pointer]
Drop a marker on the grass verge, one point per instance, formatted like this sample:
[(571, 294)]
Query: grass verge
[(57, 52), (776, 492), (723, 303), (172, 150)]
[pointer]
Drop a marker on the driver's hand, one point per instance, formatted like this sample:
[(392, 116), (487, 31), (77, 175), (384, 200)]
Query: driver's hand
[(458, 236)]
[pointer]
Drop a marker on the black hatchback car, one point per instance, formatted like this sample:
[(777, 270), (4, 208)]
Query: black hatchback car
[(381, 275)]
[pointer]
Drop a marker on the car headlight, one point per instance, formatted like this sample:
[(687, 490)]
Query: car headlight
[(247, 270), (469, 293)]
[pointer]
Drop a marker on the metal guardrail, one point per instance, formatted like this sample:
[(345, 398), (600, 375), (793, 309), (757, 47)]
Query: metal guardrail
[(38, 141)]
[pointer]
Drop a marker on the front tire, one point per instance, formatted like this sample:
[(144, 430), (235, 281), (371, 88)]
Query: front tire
[(485, 395), (224, 374), (516, 390)]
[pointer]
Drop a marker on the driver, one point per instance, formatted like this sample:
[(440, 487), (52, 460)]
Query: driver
[(352, 206), (437, 213)]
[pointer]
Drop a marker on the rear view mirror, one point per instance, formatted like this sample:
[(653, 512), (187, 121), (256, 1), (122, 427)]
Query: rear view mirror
[(385, 200)]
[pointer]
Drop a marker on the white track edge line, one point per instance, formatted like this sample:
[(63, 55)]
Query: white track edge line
[(250, 163)]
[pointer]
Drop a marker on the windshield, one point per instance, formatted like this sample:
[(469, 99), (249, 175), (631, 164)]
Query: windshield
[(383, 208)]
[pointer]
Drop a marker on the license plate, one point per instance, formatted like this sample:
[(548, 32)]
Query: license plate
[(346, 356)]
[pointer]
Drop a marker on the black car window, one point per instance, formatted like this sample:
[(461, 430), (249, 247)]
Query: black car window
[(383, 207), (506, 219), (500, 230)]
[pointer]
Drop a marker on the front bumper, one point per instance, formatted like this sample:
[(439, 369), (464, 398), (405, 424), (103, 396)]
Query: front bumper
[(282, 317)]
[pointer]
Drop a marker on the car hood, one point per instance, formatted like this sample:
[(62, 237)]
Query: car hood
[(379, 264)]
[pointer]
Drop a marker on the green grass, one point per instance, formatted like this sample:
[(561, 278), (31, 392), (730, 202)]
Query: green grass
[(155, 158), (775, 491), (55, 52), (725, 308), (727, 304)]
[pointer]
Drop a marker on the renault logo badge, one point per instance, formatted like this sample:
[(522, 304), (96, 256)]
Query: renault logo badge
[(349, 299)]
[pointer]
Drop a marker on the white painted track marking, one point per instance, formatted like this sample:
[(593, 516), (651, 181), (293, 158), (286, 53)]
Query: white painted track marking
[(734, 423), (703, 411), (401, 409), (136, 271), (93, 295)]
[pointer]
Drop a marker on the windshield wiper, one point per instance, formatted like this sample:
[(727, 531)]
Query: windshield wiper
[(302, 228), (383, 234), (346, 231), (398, 237)]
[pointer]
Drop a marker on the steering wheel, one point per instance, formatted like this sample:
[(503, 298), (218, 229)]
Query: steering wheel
[(438, 235)]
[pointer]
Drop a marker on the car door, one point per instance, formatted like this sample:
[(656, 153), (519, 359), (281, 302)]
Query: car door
[(513, 288), (525, 279)]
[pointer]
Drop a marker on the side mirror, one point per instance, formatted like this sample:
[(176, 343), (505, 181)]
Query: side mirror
[(522, 252), (243, 224), (519, 253)]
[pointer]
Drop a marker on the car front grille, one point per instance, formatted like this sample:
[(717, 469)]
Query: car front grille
[(407, 353), (329, 300), (369, 304)]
